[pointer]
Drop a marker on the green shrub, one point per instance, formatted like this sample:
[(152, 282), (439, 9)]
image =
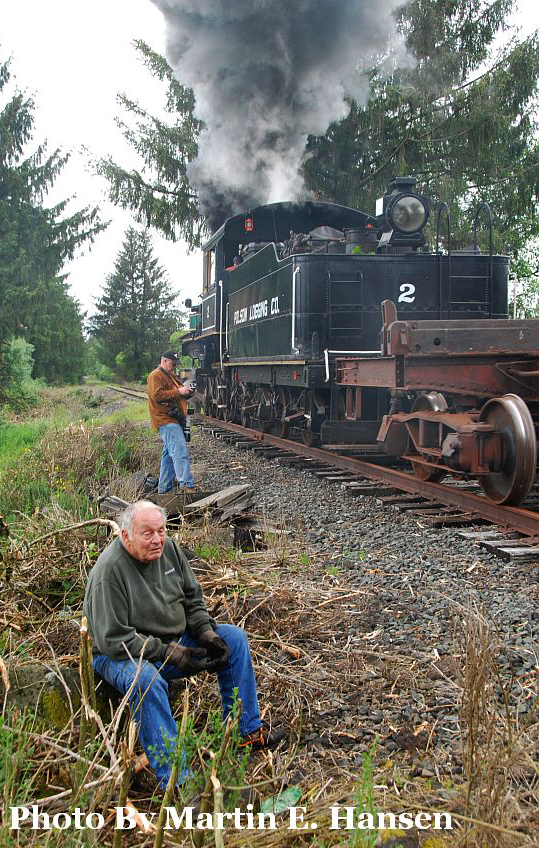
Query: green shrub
[(19, 390)]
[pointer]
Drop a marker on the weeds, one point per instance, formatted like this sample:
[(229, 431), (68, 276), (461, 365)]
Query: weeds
[(67, 469), (16, 765), (208, 551), (495, 744), (365, 803)]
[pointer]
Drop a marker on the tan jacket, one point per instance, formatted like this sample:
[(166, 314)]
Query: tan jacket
[(163, 391)]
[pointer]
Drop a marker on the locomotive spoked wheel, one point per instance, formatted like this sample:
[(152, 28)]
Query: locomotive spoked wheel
[(310, 436), (245, 401), (263, 399), (233, 409), (511, 417), (208, 406), (280, 427), (429, 402)]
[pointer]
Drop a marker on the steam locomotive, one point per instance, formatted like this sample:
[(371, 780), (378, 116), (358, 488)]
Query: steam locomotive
[(326, 323)]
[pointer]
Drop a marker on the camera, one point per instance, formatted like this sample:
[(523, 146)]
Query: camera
[(175, 412)]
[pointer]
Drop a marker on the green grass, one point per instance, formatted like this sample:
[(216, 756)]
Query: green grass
[(18, 439), (32, 473), (21, 489), (56, 408), (133, 411)]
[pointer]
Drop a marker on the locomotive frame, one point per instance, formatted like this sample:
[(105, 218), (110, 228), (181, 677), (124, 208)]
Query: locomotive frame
[(303, 338)]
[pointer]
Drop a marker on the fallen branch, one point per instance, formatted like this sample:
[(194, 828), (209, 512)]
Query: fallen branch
[(107, 522), (340, 598)]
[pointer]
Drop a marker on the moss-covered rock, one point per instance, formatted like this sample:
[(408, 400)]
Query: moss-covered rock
[(51, 695)]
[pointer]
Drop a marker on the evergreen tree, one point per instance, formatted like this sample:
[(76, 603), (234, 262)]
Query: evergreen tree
[(35, 242), (159, 194), (460, 120), (134, 316)]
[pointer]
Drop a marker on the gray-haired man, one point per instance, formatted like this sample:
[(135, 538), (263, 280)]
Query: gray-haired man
[(149, 624)]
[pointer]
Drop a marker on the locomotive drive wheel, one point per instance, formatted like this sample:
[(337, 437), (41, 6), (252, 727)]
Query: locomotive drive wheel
[(263, 399), (217, 398), (280, 427), (429, 402), (245, 401), (511, 417), (233, 409)]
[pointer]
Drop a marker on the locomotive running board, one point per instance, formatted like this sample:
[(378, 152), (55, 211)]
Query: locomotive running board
[(516, 518)]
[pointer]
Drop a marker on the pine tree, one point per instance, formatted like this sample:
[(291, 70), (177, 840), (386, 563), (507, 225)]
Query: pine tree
[(35, 242), (134, 316), (159, 194)]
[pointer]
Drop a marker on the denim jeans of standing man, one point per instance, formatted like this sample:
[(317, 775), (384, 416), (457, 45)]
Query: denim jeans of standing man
[(149, 698), (174, 459)]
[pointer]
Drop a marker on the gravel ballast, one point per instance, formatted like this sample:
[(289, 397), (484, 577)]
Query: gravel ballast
[(418, 586)]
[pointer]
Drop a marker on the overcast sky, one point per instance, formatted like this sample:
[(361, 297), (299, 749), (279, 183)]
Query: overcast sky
[(74, 58)]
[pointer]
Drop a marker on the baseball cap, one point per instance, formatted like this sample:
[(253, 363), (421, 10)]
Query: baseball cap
[(170, 354)]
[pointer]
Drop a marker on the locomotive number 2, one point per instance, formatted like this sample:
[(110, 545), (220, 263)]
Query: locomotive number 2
[(407, 293)]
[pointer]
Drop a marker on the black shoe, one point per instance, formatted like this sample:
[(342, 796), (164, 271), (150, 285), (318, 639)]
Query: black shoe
[(263, 739)]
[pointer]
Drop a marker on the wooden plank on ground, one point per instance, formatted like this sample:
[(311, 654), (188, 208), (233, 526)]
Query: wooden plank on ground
[(371, 491), (238, 507), (462, 520), (427, 509), (336, 478), (326, 473), (297, 460), (509, 553), (485, 534), (424, 507), (111, 505), (218, 499), (395, 500), (176, 502), (523, 542)]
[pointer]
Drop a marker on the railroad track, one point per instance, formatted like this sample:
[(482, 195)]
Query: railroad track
[(451, 503), (125, 390)]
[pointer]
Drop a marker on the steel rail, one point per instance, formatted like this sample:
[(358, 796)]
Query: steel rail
[(132, 392), (523, 520)]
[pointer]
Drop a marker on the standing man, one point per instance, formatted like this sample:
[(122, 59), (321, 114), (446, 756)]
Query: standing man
[(149, 624), (168, 406)]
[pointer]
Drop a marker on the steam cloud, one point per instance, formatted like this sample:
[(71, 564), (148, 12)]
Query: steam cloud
[(266, 74)]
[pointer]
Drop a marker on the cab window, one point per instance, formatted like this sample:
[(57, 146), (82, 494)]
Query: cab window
[(209, 270)]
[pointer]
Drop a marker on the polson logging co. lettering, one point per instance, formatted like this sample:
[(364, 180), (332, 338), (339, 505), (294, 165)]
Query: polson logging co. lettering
[(256, 311)]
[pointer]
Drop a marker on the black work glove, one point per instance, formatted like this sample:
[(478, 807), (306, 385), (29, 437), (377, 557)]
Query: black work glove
[(188, 660), (218, 650)]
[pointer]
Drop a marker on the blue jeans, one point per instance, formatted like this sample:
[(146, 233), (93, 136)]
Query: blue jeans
[(149, 698), (174, 459)]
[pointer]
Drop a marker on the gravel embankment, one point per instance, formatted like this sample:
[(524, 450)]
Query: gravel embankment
[(419, 584)]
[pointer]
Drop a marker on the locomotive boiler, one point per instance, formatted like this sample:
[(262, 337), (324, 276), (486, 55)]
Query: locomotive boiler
[(341, 328)]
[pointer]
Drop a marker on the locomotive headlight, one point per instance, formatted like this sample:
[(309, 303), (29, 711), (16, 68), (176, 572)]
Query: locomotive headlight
[(402, 215), (407, 213)]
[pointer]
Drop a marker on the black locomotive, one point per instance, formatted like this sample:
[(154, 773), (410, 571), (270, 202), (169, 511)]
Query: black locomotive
[(327, 323)]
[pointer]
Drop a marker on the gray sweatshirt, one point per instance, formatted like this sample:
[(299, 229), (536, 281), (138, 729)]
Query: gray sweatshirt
[(131, 602)]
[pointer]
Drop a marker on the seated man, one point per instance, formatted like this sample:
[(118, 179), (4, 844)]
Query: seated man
[(143, 600)]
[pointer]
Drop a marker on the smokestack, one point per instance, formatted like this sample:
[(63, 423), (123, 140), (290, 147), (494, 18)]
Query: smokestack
[(266, 74)]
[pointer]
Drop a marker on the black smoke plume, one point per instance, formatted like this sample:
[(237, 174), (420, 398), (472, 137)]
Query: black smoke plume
[(266, 74)]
